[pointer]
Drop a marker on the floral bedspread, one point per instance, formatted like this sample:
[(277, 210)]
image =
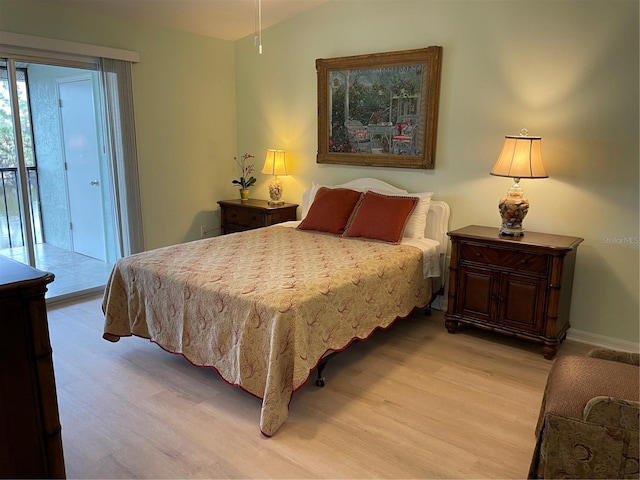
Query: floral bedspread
[(263, 306)]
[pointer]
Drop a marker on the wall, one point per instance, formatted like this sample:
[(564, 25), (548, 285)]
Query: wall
[(565, 70), (184, 91)]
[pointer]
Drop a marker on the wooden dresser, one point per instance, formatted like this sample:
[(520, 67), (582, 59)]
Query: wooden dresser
[(518, 286), (241, 215), (30, 432)]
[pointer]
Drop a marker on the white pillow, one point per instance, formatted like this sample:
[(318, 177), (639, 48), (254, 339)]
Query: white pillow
[(418, 219)]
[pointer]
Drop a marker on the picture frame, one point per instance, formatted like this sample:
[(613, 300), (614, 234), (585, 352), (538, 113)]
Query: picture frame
[(379, 110)]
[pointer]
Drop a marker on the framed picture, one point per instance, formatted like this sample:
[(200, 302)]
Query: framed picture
[(380, 109)]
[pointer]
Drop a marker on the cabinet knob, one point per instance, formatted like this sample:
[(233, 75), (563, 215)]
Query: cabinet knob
[(478, 254)]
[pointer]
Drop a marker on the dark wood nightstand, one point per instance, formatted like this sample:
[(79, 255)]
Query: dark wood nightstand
[(241, 215), (518, 286)]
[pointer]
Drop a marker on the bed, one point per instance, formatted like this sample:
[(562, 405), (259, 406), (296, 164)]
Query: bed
[(265, 307)]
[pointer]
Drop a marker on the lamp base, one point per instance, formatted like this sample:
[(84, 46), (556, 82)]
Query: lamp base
[(275, 191), (513, 208), (511, 232)]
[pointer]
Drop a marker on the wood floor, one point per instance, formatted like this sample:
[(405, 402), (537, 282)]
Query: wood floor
[(411, 402)]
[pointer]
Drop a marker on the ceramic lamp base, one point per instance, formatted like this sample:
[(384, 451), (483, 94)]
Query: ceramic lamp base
[(513, 208), (275, 192)]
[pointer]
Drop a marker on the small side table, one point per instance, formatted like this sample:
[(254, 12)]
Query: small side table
[(517, 286), (240, 215)]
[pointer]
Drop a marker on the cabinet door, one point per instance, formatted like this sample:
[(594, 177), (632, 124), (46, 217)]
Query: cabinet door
[(478, 290), (522, 302)]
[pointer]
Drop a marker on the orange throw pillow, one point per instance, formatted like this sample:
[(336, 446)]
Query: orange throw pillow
[(330, 210), (381, 217)]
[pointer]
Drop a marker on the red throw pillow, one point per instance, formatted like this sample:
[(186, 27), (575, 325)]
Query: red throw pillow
[(330, 210), (361, 134), (381, 217)]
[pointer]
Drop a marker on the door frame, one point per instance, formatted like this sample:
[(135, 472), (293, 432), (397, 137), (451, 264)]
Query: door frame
[(23, 189)]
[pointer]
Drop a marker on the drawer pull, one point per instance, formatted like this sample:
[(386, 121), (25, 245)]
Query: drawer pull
[(478, 254), (523, 261)]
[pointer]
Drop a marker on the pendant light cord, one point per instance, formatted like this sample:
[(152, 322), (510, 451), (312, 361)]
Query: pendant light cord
[(257, 39)]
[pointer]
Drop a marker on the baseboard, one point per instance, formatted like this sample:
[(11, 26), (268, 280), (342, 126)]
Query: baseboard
[(602, 341), (67, 298), (574, 335)]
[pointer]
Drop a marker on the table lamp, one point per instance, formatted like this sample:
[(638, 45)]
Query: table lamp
[(521, 157), (275, 164)]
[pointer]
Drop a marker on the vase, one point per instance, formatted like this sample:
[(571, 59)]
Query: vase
[(244, 194)]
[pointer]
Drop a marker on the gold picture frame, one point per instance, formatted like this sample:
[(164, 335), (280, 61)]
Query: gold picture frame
[(380, 109)]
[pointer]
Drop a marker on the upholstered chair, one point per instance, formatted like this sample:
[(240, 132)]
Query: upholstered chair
[(588, 423), (405, 139), (358, 136)]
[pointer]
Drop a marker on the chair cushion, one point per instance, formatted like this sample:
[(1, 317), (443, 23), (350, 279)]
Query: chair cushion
[(574, 380)]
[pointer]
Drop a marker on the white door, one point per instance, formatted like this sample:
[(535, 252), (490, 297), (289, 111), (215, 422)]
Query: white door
[(82, 165)]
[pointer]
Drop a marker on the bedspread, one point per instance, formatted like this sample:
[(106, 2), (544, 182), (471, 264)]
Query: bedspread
[(263, 306)]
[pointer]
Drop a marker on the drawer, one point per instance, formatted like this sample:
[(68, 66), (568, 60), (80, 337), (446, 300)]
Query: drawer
[(249, 218), (281, 215), (509, 259), (234, 227)]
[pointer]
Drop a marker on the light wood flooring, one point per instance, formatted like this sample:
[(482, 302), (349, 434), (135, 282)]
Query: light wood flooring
[(411, 402)]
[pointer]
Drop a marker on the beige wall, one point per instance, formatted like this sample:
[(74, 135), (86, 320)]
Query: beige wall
[(566, 70)]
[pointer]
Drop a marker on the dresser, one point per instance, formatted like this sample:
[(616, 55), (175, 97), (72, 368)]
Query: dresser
[(517, 286), (30, 432), (241, 215)]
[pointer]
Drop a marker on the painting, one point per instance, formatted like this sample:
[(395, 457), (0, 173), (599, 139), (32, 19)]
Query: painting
[(379, 109)]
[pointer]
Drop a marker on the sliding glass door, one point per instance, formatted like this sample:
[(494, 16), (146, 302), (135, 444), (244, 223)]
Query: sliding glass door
[(56, 188)]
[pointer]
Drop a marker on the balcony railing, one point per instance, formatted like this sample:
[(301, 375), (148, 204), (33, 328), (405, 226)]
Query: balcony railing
[(12, 232)]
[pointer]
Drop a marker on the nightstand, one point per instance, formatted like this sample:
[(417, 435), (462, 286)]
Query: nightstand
[(517, 286), (241, 215)]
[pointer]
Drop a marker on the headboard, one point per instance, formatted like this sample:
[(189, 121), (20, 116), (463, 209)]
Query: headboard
[(438, 224)]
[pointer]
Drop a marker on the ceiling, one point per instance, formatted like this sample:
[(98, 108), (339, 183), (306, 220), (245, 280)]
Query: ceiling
[(225, 19)]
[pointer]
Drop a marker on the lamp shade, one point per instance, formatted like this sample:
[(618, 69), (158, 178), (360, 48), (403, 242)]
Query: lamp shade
[(521, 157), (274, 163)]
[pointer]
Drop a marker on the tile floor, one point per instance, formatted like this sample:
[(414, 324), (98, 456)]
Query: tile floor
[(75, 273)]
